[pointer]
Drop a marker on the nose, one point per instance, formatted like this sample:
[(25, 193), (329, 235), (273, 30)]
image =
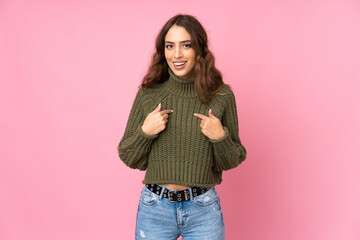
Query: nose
[(178, 52)]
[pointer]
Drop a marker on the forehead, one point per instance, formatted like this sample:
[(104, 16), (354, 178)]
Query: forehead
[(177, 34)]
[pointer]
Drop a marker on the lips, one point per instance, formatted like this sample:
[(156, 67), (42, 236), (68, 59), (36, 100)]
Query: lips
[(179, 65)]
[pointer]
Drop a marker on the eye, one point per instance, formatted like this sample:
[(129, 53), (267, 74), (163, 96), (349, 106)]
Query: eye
[(187, 45), (168, 46)]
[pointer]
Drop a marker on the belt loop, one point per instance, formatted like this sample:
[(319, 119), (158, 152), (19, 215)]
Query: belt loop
[(162, 191), (191, 196)]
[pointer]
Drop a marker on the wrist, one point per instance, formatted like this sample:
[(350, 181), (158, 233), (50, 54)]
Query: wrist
[(226, 134), (146, 134), (222, 133), (144, 130)]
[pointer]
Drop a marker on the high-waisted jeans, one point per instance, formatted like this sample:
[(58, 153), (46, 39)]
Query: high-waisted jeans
[(199, 218)]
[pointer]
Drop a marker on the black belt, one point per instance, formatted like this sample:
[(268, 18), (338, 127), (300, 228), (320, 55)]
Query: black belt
[(177, 196)]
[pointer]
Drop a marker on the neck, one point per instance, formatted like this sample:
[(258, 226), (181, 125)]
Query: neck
[(180, 86)]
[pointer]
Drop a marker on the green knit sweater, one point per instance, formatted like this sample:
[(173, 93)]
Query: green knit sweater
[(181, 153)]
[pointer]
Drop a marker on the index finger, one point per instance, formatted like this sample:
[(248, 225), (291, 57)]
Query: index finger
[(199, 115), (166, 111)]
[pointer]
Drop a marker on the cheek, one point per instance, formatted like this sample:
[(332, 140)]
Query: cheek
[(167, 55), (192, 62), (192, 65), (193, 57)]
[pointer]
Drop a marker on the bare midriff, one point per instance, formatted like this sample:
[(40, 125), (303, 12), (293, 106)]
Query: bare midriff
[(175, 186)]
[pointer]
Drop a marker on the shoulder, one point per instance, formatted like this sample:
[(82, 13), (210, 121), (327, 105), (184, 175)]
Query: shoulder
[(148, 97), (225, 94), (158, 87), (146, 93), (225, 90), (225, 99), (222, 100)]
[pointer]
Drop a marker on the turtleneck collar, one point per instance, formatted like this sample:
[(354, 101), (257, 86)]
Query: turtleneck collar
[(180, 86)]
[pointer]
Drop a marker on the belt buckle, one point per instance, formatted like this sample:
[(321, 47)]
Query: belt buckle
[(168, 193), (187, 197)]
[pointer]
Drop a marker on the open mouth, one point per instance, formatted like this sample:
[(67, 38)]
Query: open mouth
[(179, 65)]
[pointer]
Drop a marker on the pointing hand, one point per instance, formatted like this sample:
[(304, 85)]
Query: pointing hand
[(211, 125), (155, 121)]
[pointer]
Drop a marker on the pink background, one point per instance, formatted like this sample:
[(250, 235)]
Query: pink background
[(69, 72)]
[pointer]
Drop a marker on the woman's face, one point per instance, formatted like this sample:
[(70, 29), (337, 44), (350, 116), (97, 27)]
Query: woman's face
[(178, 50)]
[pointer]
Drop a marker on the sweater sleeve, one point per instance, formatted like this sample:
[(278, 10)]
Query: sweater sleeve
[(228, 150), (135, 145)]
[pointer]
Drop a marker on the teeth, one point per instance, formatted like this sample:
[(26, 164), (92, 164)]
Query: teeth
[(179, 64)]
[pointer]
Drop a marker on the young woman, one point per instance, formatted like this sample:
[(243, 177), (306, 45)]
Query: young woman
[(183, 130)]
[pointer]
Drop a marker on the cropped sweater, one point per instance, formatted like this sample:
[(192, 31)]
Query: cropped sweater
[(181, 153)]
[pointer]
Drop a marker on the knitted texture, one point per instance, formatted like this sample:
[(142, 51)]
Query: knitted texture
[(181, 153)]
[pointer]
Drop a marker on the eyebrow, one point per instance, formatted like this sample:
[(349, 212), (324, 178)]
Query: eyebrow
[(180, 42)]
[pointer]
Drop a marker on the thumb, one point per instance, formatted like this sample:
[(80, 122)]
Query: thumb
[(158, 108), (211, 114)]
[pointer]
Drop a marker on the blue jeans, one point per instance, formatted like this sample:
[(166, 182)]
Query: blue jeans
[(199, 218)]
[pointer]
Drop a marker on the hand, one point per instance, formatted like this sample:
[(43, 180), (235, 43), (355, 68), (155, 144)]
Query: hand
[(155, 121), (211, 126)]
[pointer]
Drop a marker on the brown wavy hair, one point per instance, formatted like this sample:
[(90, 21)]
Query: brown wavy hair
[(208, 79)]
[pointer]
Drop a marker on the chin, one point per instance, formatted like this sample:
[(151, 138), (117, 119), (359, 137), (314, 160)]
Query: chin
[(180, 73)]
